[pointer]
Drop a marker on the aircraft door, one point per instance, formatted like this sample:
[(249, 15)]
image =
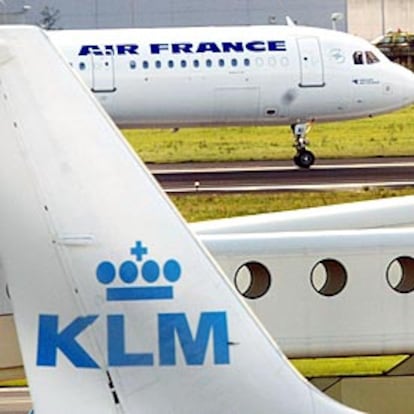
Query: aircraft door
[(310, 62), (103, 73)]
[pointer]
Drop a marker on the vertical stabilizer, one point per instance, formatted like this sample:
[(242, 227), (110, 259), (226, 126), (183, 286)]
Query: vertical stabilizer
[(118, 308)]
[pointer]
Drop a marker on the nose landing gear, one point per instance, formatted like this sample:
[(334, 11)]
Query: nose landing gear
[(303, 158)]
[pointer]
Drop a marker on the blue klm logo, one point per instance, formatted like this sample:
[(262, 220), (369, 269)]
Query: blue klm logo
[(172, 327), (128, 273)]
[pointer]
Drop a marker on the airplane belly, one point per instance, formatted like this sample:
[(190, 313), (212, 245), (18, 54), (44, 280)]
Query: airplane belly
[(236, 103), (188, 102), (320, 104)]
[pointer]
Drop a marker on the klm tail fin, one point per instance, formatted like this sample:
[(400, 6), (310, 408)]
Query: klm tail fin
[(118, 308)]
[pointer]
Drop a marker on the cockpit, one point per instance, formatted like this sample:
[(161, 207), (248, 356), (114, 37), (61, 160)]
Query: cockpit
[(365, 58)]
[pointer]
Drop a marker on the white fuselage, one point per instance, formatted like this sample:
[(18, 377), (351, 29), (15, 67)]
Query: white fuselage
[(258, 75)]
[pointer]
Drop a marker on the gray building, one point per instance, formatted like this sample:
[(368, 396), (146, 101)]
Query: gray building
[(371, 18), (366, 18), (152, 13)]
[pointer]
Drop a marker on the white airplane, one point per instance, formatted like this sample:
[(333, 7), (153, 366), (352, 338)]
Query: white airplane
[(254, 75), (118, 307)]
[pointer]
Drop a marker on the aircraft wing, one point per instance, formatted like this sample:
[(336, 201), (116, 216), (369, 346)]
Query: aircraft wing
[(372, 214)]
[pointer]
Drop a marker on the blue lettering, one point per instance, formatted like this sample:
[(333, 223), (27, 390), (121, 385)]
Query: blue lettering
[(232, 47), (182, 48), (50, 341), (117, 357), (208, 47), (194, 350), (177, 48), (156, 48), (212, 327), (109, 50), (90, 50), (277, 45), (256, 46), (127, 49)]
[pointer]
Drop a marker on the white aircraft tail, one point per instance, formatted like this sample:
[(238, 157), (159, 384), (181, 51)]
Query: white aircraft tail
[(118, 308)]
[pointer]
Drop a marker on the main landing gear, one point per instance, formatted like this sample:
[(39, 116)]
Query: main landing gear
[(303, 158)]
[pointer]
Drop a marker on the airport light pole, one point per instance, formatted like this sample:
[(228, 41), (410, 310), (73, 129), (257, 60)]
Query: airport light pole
[(336, 17)]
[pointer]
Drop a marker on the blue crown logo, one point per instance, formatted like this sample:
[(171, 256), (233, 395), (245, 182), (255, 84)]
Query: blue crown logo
[(129, 273)]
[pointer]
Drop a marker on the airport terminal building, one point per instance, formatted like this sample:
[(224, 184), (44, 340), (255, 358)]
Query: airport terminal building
[(146, 13), (367, 18)]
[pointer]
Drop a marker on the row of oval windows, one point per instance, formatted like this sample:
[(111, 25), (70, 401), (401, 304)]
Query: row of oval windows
[(328, 277), (196, 63)]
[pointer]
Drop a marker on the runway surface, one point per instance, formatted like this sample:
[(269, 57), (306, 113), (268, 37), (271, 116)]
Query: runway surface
[(283, 176)]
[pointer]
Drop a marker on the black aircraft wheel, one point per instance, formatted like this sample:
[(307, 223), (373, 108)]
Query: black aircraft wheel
[(296, 160), (304, 159)]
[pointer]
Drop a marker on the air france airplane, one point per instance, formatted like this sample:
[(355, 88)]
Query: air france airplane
[(255, 75), (118, 307)]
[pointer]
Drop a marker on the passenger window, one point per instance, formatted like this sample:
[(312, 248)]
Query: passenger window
[(133, 64), (145, 64), (221, 63), (196, 63), (82, 66), (209, 63), (259, 62), (371, 58), (358, 58), (246, 62), (158, 64), (183, 63), (234, 62), (170, 64)]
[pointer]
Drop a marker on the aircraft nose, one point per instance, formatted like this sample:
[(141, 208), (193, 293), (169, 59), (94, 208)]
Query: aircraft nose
[(406, 81)]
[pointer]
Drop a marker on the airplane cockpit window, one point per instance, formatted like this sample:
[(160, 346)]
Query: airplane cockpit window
[(371, 58), (358, 58)]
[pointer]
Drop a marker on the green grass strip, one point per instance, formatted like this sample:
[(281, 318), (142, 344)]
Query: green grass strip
[(319, 367), (349, 366), (198, 207), (14, 383), (386, 135)]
